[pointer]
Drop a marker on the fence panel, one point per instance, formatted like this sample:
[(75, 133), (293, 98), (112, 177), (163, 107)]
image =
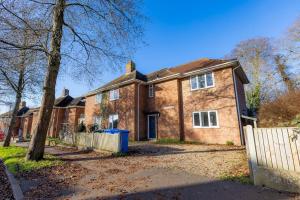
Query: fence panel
[(274, 155)]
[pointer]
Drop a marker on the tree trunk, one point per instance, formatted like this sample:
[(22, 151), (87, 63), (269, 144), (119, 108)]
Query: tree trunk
[(13, 120), (281, 68), (37, 143), (19, 91)]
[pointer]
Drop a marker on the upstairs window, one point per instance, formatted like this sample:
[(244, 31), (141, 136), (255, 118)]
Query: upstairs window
[(114, 94), (99, 98), (205, 119), (202, 81), (151, 91), (113, 121)]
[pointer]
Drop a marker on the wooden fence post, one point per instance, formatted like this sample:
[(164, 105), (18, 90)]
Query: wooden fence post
[(251, 150)]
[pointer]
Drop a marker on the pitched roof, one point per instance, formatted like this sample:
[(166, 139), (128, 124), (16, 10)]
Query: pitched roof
[(63, 101), (20, 112), (135, 75), (79, 101), (165, 72)]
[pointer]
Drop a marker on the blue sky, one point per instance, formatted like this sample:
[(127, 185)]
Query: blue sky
[(182, 31)]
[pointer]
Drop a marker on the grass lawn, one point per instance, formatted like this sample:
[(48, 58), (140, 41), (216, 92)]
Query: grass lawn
[(174, 141), (14, 159)]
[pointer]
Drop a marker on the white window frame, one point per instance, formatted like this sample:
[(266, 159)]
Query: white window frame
[(114, 94), (209, 123), (99, 121), (151, 91), (98, 98), (109, 117), (197, 82)]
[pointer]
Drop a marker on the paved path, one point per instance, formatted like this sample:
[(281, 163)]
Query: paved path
[(129, 177)]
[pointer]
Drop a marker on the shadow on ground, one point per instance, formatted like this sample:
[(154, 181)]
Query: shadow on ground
[(208, 190), (143, 150)]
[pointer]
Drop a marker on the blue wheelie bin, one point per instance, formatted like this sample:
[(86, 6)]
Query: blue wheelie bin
[(123, 138)]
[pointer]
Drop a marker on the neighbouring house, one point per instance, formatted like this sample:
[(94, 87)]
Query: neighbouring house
[(199, 101), (5, 119), (66, 115)]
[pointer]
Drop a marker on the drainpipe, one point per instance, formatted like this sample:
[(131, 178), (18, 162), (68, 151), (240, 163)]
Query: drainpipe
[(138, 114), (238, 106)]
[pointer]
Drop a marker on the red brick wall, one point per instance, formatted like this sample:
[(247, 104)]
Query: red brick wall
[(125, 107), (4, 123), (57, 118), (220, 98), (26, 125), (34, 121), (166, 102), (175, 102), (72, 117)]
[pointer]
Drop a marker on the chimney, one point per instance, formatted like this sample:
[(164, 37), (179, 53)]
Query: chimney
[(23, 104), (65, 92), (130, 67)]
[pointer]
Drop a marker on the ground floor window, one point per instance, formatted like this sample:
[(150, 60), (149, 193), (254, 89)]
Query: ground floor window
[(205, 119), (113, 121), (97, 121)]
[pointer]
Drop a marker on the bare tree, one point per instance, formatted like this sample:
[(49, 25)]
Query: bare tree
[(89, 34), (292, 50), (20, 70), (255, 56), (282, 69)]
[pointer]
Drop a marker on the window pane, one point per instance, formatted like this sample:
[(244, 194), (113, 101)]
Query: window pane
[(151, 91), (213, 118), (115, 121), (110, 119), (111, 95), (98, 98), (196, 119), (201, 81), (209, 79), (117, 94), (204, 119), (194, 82)]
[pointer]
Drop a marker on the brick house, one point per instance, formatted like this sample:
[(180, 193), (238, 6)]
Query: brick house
[(200, 101), (65, 116), (6, 117)]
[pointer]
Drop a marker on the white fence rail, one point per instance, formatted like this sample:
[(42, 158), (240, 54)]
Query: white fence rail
[(271, 149)]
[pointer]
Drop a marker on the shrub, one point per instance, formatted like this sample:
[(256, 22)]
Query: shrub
[(229, 143), (281, 111), (81, 127)]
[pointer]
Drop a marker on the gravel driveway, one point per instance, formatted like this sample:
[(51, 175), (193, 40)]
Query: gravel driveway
[(150, 171)]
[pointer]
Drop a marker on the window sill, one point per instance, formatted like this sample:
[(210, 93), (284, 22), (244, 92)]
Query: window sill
[(202, 88), (200, 127)]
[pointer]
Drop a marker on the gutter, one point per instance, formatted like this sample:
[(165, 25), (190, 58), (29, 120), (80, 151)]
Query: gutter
[(219, 66), (177, 75), (238, 106), (111, 87), (138, 114)]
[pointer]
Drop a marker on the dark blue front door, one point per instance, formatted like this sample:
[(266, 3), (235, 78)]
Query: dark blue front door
[(152, 126)]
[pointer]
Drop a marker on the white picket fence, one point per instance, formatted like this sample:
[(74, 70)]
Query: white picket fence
[(274, 149)]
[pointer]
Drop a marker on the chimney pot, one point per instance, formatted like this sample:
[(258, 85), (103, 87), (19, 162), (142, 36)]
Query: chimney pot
[(130, 67), (65, 92), (23, 104)]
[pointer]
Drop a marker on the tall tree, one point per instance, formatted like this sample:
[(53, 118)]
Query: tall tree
[(255, 56), (87, 34), (282, 69), (20, 70)]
